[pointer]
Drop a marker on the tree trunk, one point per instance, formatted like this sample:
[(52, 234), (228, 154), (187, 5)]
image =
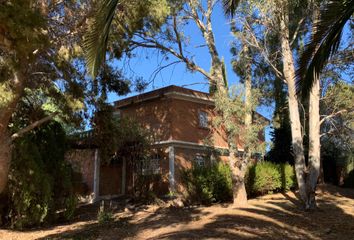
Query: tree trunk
[(5, 159), (5, 137), (238, 180), (296, 134), (314, 144), (248, 100)]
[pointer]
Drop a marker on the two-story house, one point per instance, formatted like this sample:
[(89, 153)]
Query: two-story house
[(181, 121)]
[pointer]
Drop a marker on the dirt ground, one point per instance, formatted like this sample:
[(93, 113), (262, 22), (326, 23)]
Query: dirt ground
[(277, 216)]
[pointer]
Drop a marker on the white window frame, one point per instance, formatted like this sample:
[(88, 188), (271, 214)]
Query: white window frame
[(151, 166), (203, 119), (117, 114), (199, 160)]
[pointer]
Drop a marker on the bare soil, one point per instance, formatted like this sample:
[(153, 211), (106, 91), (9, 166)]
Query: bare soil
[(276, 216)]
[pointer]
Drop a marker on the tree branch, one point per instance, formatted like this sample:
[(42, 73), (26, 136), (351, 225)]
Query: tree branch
[(178, 38), (299, 25), (333, 115), (255, 43), (33, 125)]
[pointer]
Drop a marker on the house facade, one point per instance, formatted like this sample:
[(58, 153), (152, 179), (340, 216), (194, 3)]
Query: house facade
[(181, 123)]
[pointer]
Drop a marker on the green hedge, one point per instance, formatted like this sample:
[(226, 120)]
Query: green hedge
[(208, 184), (267, 177), (213, 184)]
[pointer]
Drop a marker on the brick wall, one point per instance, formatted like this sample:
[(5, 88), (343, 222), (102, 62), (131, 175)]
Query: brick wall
[(83, 161)]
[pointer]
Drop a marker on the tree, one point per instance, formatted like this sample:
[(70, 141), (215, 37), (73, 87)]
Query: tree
[(280, 151), (274, 19), (324, 42), (327, 30), (38, 42), (170, 41), (115, 23)]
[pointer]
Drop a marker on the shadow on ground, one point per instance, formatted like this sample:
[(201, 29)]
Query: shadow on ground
[(277, 216)]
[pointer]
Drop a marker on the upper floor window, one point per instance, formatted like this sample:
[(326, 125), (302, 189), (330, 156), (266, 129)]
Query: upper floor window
[(199, 160), (203, 119)]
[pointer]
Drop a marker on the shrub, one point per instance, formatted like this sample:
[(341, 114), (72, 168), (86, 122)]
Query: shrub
[(262, 178), (208, 184), (266, 177), (29, 188), (288, 177), (104, 215), (146, 186), (213, 184), (40, 181)]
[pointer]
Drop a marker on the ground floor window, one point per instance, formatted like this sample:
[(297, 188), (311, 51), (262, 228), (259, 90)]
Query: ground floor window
[(151, 165), (199, 160)]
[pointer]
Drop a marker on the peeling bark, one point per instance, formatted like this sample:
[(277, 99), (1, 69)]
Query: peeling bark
[(296, 134), (314, 144), (238, 171), (248, 98)]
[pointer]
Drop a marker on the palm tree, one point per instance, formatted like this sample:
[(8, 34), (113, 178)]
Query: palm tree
[(96, 37), (324, 43)]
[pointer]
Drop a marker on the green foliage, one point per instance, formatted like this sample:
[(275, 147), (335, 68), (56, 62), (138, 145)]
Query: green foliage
[(232, 111), (114, 25), (213, 184), (324, 43), (144, 186), (280, 151), (104, 216), (24, 22), (349, 178), (288, 176), (40, 181), (30, 196), (338, 105), (266, 177), (117, 135), (208, 184)]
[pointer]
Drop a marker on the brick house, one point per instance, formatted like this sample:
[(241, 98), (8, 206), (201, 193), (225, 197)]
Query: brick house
[(180, 120)]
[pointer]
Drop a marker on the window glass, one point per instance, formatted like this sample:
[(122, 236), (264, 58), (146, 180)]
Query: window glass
[(151, 165), (117, 115), (199, 160), (203, 119)]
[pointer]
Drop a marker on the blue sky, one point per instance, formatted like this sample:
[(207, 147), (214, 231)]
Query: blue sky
[(147, 61)]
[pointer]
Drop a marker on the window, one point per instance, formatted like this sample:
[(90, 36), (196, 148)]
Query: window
[(150, 165), (203, 119), (199, 160), (117, 115)]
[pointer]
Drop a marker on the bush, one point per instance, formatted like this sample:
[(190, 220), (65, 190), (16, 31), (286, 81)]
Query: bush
[(288, 177), (213, 184), (146, 186), (266, 177), (104, 215), (208, 184), (29, 188), (40, 180)]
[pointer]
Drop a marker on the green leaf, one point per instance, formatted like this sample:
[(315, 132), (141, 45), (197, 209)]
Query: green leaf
[(96, 37), (324, 42)]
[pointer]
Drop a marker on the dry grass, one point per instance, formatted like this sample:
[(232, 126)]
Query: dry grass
[(276, 216)]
